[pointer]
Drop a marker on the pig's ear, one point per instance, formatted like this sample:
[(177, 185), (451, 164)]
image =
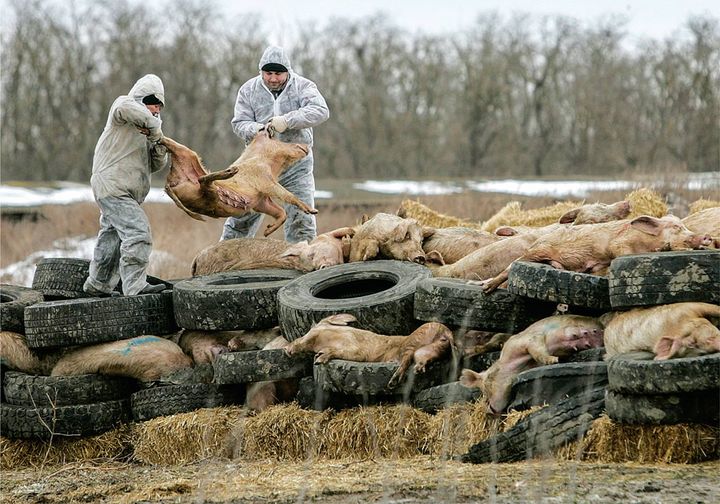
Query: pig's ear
[(341, 232), (295, 250), (364, 218), (667, 347), (401, 230), (434, 257), (569, 217), (470, 378), (427, 231), (505, 231), (371, 250), (340, 319), (646, 224), (346, 245)]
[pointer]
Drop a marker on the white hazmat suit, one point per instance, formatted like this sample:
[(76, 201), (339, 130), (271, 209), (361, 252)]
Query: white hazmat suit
[(302, 106), (123, 161)]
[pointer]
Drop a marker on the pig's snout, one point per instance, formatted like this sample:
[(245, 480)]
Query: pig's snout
[(420, 259), (698, 241)]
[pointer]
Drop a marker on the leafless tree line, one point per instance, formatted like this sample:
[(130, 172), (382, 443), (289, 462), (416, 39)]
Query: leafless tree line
[(523, 97)]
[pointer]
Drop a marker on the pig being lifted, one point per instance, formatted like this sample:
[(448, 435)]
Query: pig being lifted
[(673, 330), (249, 184), (145, 358), (590, 248), (327, 249), (389, 236), (332, 338), (541, 343)]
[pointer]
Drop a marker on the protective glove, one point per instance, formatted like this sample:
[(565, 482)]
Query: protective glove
[(278, 123)]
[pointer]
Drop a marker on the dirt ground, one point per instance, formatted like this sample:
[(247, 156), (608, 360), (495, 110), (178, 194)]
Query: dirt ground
[(419, 479)]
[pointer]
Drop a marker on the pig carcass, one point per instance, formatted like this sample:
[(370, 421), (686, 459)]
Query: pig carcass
[(590, 248), (389, 236), (249, 184), (595, 213), (17, 356), (262, 395), (205, 346), (145, 358), (705, 222), (541, 343), (672, 330), (332, 338), (327, 249), (454, 243)]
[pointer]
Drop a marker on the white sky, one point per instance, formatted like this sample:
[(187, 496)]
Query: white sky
[(646, 18)]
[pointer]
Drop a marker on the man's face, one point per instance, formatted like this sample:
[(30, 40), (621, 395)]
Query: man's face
[(154, 109), (274, 80)]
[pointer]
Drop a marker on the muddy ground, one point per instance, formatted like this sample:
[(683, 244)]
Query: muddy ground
[(419, 479)]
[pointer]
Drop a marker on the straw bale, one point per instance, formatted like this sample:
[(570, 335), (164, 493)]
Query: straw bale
[(426, 216), (512, 214), (702, 204), (610, 442), (187, 437), (283, 432), (111, 445), (453, 430), (644, 201), (395, 431)]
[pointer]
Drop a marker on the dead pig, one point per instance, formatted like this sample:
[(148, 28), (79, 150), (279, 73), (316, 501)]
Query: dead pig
[(595, 213), (332, 338), (145, 358), (17, 356), (672, 330), (262, 395), (542, 343), (249, 184), (388, 236), (454, 243), (327, 249), (705, 222), (590, 248)]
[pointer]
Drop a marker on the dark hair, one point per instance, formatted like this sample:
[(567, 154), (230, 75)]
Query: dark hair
[(274, 67), (152, 100)]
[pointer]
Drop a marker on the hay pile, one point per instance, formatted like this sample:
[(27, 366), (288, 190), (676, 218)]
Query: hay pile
[(702, 204), (288, 432), (426, 216), (645, 201)]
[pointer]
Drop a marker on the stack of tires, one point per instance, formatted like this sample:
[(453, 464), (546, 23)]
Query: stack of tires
[(679, 390)]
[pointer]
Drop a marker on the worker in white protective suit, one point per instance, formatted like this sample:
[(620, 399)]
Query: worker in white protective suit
[(290, 105), (125, 155)]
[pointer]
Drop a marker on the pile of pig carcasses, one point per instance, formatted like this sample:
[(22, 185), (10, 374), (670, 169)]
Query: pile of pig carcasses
[(385, 296)]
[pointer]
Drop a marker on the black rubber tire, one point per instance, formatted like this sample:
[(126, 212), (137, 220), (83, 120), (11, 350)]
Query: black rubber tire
[(555, 383), (456, 303), (480, 362), (95, 320), (171, 399), (64, 277), (21, 422), (261, 365), (27, 390), (436, 398), (379, 294), (638, 373), (701, 406), (664, 278), (13, 301), (542, 281), (542, 431), (231, 300), (311, 396), (371, 378), (199, 373)]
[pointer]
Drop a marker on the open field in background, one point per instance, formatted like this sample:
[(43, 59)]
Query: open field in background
[(178, 238)]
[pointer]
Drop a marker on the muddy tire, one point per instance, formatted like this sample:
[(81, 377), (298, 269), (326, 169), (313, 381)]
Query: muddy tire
[(456, 303), (261, 365), (96, 320), (231, 300), (171, 399), (13, 301), (555, 383), (22, 422), (638, 373), (543, 282), (433, 399), (27, 390), (480, 362), (542, 431), (702, 406), (371, 378), (664, 278), (380, 294)]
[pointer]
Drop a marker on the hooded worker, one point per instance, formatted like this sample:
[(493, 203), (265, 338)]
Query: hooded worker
[(290, 105), (125, 155)]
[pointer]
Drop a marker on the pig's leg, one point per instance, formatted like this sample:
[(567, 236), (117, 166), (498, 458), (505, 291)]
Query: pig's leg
[(539, 352), (267, 206), (491, 284), (325, 354), (218, 175), (400, 372), (180, 204), (283, 194)]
